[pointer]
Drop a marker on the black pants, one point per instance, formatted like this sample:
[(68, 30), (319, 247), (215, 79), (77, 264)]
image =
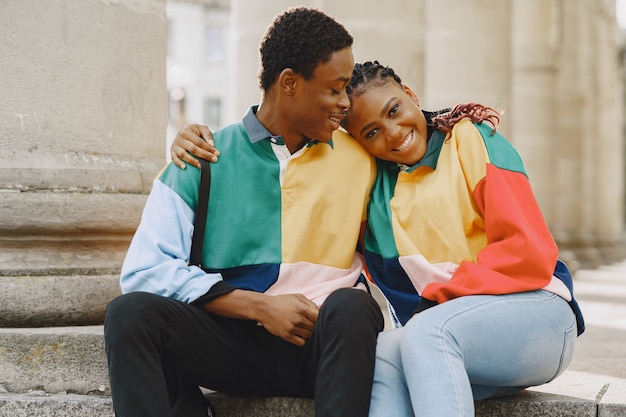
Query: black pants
[(160, 350)]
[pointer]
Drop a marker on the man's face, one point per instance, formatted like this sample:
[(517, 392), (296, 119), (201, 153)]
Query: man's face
[(319, 103)]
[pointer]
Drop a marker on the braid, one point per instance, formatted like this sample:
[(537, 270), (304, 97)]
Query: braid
[(365, 74), (368, 72), (473, 111)]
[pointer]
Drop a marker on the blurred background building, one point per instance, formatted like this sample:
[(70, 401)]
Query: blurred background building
[(554, 68), (198, 64), (93, 93)]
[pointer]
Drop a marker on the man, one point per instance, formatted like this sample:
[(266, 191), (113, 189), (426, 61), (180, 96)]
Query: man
[(279, 307)]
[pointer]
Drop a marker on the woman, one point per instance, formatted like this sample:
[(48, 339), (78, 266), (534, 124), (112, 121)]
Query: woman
[(458, 245)]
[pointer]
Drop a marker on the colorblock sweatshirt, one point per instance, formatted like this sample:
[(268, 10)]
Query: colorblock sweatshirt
[(277, 223), (462, 221)]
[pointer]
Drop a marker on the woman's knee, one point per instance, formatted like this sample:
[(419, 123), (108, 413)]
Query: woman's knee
[(388, 346), (388, 370), (424, 333)]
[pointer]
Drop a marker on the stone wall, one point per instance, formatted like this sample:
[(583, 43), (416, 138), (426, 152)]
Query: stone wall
[(82, 128)]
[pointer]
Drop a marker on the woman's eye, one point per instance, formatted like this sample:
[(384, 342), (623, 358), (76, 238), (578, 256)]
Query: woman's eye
[(334, 91), (371, 133)]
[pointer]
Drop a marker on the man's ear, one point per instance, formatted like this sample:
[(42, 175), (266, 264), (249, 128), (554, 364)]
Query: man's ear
[(287, 81), (411, 94)]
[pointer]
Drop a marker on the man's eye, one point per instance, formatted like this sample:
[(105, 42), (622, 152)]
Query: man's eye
[(334, 91), (393, 110)]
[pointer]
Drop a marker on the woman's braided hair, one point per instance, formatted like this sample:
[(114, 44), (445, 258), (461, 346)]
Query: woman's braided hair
[(369, 73)]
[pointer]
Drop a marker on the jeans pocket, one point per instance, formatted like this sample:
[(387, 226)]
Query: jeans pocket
[(569, 341)]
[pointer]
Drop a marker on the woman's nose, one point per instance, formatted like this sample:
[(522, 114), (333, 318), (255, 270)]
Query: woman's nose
[(392, 132)]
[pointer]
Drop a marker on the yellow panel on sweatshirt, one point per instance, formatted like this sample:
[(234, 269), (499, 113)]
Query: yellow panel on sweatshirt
[(432, 208), (325, 193)]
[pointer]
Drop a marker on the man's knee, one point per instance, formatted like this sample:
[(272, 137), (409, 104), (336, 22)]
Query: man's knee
[(349, 306), (128, 311), (348, 297)]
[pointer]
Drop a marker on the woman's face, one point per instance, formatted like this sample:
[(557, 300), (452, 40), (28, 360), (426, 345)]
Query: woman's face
[(388, 121)]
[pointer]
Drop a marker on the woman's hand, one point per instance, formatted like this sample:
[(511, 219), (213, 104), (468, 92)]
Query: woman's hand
[(193, 139)]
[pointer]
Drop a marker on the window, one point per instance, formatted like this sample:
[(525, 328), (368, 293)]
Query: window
[(212, 111), (213, 44), (170, 36)]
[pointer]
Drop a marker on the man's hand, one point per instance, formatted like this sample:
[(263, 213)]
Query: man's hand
[(193, 139), (291, 317)]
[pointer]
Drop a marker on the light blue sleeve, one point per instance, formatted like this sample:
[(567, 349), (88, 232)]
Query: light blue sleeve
[(156, 261)]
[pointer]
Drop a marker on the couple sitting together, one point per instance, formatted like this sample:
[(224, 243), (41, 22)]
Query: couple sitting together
[(336, 179)]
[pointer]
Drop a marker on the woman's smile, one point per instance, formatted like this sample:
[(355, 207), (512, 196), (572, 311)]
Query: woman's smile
[(388, 121), (408, 141)]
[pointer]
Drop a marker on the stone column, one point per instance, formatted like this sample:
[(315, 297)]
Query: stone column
[(535, 32), (390, 32), (467, 53), (82, 128), (608, 136), (589, 164)]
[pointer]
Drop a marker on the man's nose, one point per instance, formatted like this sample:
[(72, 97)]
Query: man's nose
[(344, 101)]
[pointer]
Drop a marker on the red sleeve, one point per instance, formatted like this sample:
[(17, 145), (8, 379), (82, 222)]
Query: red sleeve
[(520, 254)]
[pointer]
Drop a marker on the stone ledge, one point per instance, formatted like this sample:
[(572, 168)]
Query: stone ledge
[(57, 405), (62, 213), (537, 404), (230, 406), (72, 359), (57, 359), (526, 404), (72, 299)]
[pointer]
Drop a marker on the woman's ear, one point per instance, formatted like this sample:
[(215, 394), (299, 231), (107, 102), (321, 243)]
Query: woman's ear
[(287, 81), (411, 94)]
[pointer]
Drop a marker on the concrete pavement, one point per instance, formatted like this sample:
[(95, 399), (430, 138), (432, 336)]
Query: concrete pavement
[(602, 297)]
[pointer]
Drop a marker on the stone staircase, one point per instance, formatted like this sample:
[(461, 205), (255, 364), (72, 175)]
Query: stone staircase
[(61, 371)]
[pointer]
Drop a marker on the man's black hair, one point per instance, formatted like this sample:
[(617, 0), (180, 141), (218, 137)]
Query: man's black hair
[(300, 39)]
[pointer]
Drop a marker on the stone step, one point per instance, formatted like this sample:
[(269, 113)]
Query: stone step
[(529, 403), (54, 359), (69, 298), (39, 404), (62, 372)]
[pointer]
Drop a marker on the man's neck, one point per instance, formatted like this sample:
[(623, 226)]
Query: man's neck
[(270, 117)]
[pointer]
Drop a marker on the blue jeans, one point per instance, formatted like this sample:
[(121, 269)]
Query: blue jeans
[(468, 349)]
